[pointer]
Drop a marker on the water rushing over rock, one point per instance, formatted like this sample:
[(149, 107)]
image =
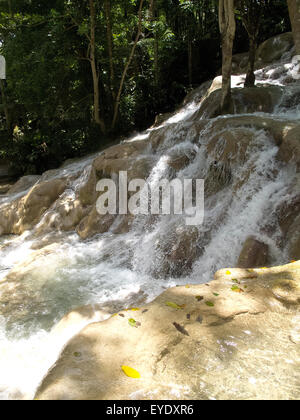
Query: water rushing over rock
[(68, 255)]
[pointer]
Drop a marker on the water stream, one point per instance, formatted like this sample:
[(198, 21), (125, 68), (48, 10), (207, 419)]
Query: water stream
[(115, 270)]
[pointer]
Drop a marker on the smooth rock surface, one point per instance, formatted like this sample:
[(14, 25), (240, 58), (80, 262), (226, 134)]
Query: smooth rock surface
[(254, 254), (236, 338)]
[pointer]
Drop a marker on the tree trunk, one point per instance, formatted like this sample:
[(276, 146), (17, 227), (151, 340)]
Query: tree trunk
[(251, 16), (110, 45), (5, 105), (131, 55), (227, 29), (156, 47), (10, 8), (97, 116), (294, 10), (190, 61), (250, 78)]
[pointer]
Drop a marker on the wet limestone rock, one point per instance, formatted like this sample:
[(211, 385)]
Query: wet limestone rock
[(273, 49), (288, 216), (5, 187), (183, 251), (276, 128), (24, 213), (24, 183), (268, 52), (290, 148), (77, 319), (18, 296), (235, 338), (130, 157), (254, 254), (94, 223), (127, 156), (245, 100), (230, 145)]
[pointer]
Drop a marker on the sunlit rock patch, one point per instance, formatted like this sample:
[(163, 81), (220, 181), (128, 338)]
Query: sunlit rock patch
[(234, 338)]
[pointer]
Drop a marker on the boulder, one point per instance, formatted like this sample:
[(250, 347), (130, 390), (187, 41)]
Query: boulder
[(24, 213), (196, 95), (290, 148), (64, 216), (123, 224), (24, 183), (212, 345), (178, 162), (230, 145), (158, 136), (38, 200), (268, 52), (240, 63), (5, 187), (176, 253), (288, 216), (94, 223), (273, 49), (254, 254), (123, 157), (219, 175), (276, 128), (287, 212), (294, 246), (161, 118), (246, 100)]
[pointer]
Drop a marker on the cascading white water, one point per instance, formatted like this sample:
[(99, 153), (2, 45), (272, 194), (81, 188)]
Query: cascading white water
[(117, 270)]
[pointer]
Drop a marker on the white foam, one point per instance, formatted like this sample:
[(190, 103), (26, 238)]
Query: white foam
[(119, 268)]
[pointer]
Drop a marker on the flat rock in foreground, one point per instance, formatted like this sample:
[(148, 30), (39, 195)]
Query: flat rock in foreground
[(235, 338)]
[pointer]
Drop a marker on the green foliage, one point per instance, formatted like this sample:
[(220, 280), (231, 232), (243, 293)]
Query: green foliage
[(49, 94)]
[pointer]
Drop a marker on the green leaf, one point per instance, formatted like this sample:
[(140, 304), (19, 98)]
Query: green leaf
[(132, 322), (236, 289), (210, 304), (174, 305)]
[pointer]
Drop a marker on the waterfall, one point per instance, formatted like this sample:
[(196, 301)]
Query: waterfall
[(244, 184)]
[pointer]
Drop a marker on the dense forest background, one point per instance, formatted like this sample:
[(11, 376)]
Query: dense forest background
[(80, 73)]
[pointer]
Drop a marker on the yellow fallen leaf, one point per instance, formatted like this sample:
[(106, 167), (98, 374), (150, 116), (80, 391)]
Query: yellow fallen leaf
[(174, 305), (293, 261), (131, 309), (130, 372), (228, 273), (187, 286), (264, 268), (237, 289)]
